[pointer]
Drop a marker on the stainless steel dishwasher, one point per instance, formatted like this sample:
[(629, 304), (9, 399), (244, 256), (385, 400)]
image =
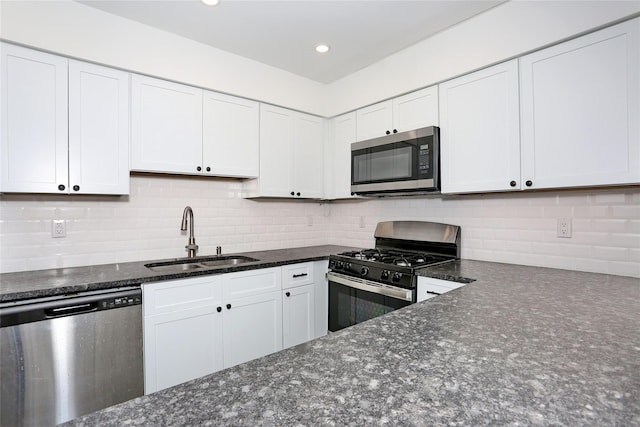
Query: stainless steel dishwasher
[(62, 357)]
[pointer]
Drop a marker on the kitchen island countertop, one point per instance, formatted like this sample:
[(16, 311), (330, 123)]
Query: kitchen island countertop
[(519, 346)]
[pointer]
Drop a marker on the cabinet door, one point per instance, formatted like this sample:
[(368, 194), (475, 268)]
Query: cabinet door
[(98, 129), (580, 115), (166, 126), (34, 121), (180, 346), (416, 110), (182, 330), (276, 133), (375, 121), (479, 131), (298, 315), (230, 139), (252, 327), (307, 165), (343, 134)]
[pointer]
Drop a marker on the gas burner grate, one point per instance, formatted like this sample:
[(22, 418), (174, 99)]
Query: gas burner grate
[(394, 257)]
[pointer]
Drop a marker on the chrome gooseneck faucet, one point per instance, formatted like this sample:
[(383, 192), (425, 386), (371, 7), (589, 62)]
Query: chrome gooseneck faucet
[(191, 247)]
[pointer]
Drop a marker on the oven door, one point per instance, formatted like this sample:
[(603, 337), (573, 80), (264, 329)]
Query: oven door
[(353, 300)]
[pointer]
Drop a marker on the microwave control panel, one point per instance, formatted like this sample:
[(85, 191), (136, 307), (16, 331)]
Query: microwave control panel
[(424, 160)]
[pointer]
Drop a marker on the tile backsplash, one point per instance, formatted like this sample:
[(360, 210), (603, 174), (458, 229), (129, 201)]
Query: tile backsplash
[(516, 228)]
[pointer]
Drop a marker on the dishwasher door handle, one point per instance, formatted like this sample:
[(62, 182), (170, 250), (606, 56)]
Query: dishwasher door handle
[(71, 309)]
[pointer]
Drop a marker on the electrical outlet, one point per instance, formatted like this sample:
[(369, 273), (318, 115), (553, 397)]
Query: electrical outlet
[(58, 228), (564, 227)]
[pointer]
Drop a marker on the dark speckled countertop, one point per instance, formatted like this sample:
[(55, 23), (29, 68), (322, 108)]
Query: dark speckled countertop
[(518, 346), (61, 281)]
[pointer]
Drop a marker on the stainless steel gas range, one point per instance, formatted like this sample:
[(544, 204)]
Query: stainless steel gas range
[(368, 283)]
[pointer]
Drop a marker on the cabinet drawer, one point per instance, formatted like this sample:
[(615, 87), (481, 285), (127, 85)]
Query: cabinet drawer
[(176, 295), (297, 275), (252, 282), (429, 288)]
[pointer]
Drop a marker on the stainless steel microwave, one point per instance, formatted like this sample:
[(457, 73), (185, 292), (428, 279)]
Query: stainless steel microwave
[(400, 163)]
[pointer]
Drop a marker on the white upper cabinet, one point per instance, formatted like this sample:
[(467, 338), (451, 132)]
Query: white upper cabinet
[(308, 156), (276, 135), (230, 135), (291, 154), (479, 131), (65, 125), (187, 130), (580, 114), (412, 111), (338, 171), (374, 121), (416, 110), (34, 121), (98, 129), (166, 126)]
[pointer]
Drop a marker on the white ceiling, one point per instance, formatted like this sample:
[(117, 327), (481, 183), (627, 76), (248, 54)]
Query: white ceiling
[(283, 34)]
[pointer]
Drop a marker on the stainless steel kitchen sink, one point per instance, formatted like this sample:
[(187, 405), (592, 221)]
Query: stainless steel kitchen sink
[(189, 264)]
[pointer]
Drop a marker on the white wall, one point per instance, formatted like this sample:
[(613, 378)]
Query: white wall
[(513, 28), (511, 227), (146, 224), (517, 228), (501, 33), (73, 29)]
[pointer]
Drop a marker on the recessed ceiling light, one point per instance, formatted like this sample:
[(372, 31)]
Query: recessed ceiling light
[(322, 48), (210, 2)]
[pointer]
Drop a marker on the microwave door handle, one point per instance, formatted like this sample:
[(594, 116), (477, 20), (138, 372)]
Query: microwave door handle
[(369, 286)]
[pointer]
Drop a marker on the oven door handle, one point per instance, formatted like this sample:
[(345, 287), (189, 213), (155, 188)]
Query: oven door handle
[(369, 286)]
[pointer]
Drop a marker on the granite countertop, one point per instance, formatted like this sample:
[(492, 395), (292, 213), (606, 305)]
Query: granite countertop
[(518, 346), (46, 283)]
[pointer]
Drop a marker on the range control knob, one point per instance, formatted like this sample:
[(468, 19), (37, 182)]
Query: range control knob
[(339, 265), (364, 271), (347, 266), (384, 275), (396, 277)]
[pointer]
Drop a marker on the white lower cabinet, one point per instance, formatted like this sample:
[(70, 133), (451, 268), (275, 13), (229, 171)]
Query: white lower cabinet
[(298, 304), (197, 326), (182, 331), (298, 315), (429, 287), (252, 314)]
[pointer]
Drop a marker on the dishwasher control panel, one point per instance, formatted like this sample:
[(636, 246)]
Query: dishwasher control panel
[(123, 301)]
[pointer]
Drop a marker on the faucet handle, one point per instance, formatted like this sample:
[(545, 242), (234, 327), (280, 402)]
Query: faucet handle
[(218, 250)]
